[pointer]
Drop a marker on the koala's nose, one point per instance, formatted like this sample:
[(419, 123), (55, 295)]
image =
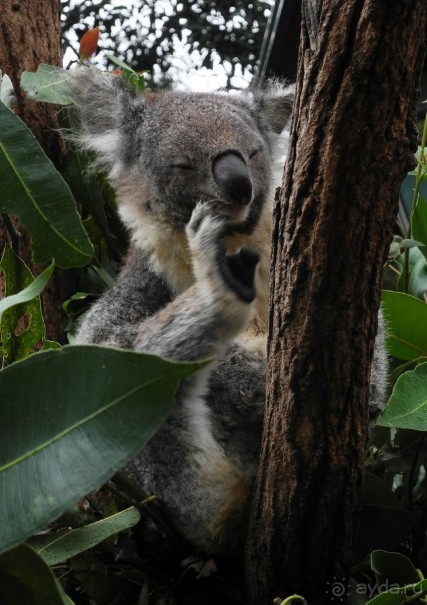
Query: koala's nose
[(232, 176)]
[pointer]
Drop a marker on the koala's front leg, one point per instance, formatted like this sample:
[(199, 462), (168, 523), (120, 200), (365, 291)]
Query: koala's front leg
[(201, 322)]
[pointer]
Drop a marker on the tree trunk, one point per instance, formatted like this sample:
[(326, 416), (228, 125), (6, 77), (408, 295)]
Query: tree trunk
[(30, 34), (352, 142)]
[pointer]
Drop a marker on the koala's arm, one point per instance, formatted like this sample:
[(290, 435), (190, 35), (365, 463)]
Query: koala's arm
[(137, 294), (201, 322), (138, 311)]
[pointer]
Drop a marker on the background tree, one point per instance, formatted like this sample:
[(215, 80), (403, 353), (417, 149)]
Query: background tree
[(357, 80), (157, 36)]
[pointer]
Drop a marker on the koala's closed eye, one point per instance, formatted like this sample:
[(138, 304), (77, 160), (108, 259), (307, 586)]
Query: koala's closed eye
[(182, 164), (253, 154)]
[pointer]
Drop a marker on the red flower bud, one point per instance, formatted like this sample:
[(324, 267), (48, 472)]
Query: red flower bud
[(88, 43)]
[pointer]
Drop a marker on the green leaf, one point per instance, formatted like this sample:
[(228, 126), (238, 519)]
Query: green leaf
[(406, 320), (393, 568), (393, 597), (6, 90), (129, 74), (88, 193), (21, 326), (417, 283), (70, 420), (83, 538), (34, 191), (51, 345), (419, 223), (383, 527), (28, 293), (409, 365), (396, 596), (26, 578), (376, 492), (407, 408), (47, 84)]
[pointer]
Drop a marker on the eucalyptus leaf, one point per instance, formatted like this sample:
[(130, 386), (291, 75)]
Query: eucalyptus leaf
[(417, 282), (410, 243), (134, 78), (88, 193), (393, 568), (394, 250), (406, 320), (34, 191), (121, 64), (393, 597), (407, 407), (419, 223), (70, 419), (47, 84), (6, 90), (21, 325), (26, 578), (28, 293), (409, 365), (400, 596), (83, 538)]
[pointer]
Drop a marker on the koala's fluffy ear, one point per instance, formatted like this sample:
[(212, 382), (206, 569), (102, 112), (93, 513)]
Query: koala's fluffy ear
[(275, 102), (107, 105)]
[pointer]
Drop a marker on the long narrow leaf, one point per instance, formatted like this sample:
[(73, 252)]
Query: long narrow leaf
[(26, 578), (29, 292), (34, 191), (78, 540), (70, 420)]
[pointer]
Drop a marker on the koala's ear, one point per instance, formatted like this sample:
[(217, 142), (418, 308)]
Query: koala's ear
[(107, 105), (275, 103)]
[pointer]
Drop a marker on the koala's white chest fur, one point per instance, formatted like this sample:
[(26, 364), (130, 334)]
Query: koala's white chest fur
[(169, 257)]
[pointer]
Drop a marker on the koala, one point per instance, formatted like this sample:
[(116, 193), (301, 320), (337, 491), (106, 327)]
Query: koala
[(194, 178)]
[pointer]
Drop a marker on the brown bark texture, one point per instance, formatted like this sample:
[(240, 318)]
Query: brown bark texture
[(352, 141), (30, 34)]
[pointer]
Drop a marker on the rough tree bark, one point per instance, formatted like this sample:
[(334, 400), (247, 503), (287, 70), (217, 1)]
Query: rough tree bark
[(30, 34), (352, 142)]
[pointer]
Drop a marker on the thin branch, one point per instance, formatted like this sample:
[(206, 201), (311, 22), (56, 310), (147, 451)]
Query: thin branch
[(149, 506), (14, 234)]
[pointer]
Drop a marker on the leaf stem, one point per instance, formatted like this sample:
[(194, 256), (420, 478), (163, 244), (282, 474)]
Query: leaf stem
[(295, 598), (131, 493)]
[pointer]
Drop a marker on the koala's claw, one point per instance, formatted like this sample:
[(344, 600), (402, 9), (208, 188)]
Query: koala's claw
[(207, 212)]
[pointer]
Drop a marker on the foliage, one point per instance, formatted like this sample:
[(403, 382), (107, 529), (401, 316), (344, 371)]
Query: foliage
[(151, 35), (394, 513), (63, 431), (37, 194), (86, 439)]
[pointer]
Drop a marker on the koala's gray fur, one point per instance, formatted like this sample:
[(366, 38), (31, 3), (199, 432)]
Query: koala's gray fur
[(193, 176)]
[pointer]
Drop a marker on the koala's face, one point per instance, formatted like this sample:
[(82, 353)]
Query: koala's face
[(190, 148), (168, 151)]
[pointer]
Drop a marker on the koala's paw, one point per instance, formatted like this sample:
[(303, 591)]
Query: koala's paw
[(238, 272), (206, 225), (211, 263)]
